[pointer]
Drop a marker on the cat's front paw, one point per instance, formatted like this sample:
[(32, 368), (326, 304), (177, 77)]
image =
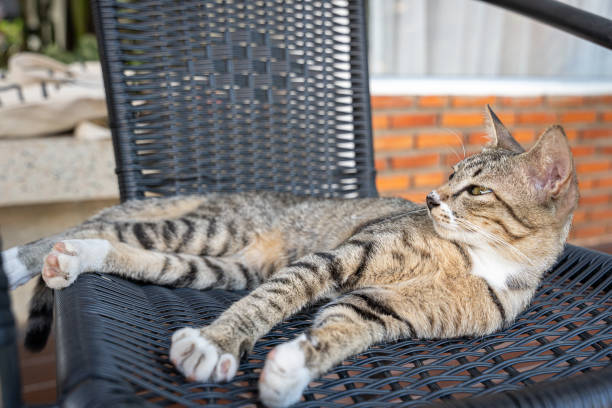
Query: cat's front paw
[(70, 258), (199, 359), (285, 375)]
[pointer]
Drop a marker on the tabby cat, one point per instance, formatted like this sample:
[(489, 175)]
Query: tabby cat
[(464, 265)]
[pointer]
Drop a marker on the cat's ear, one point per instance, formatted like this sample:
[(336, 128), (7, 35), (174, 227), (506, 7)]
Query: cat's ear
[(549, 164), (500, 136)]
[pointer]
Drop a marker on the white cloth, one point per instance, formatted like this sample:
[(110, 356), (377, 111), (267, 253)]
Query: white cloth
[(41, 96)]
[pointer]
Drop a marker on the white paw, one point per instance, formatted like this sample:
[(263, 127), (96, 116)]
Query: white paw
[(15, 269), (284, 376), (69, 258), (198, 359)]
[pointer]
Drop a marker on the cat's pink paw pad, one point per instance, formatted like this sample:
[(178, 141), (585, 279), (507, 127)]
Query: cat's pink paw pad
[(285, 375), (56, 270), (226, 368), (70, 258), (199, 359)]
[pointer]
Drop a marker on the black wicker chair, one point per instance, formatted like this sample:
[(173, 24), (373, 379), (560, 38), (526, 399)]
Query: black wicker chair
[(273, 95), (10, 382)]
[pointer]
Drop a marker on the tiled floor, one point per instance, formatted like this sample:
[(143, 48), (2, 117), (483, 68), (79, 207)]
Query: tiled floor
[(38, 370)]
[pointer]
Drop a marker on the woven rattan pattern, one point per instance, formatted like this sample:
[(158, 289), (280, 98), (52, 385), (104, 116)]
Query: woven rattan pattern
[(566, 330), (238, 95)]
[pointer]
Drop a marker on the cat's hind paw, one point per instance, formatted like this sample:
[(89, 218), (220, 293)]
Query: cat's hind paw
[(199, 359), (285, 375), (70, 258)]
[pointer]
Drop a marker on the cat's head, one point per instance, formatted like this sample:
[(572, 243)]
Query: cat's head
[(505, 197)]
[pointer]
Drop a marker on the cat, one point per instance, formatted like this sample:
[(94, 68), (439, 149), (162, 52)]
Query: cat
[(465, 264)]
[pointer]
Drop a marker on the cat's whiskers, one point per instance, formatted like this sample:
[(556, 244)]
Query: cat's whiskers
[(454, 151), (407, 213), (458, 138), (403, 214)]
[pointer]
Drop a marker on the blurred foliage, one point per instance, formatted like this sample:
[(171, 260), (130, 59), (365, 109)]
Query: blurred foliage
[(11, 39), (79, 45), (85, 50)]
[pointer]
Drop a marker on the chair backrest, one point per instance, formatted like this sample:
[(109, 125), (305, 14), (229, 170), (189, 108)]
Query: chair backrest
[(237, 96)]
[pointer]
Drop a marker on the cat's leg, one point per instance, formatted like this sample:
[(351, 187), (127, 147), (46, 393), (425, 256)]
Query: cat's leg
[(24, 262), (355, 321), (341, 329), (202, 231), (70, 258), (212, 352)]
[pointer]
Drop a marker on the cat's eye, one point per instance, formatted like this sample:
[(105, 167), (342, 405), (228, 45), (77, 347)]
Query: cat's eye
[(479, 190)]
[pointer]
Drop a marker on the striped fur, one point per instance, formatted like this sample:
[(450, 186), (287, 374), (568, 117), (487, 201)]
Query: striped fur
[(465, 266)]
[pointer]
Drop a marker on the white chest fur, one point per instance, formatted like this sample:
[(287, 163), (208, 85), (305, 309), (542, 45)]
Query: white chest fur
[(495, 269)]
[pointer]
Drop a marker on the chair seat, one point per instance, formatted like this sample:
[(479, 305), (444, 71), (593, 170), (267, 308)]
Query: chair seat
[(113, 338)]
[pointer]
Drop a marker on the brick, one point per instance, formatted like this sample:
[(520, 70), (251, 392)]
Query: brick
[(433, 101), (605, 149), (606, 116), (536, 117), (507, 118), (578, 116), (415, 196), (582, 150), (395, 142), (596, 133), (606, 99), (413, 119), (565, 101), (462, 119), (478, 138), (579, 216), (591, 231), (521, 101), (389, 102), (572, 134), (422, 160), (472, 101), (586, 184), (392, 182), (594, 199), (603, 214), (524, 135), (438, 140), (593, 166), (604, 182), (380, 122), (381, 164), (428, 179)]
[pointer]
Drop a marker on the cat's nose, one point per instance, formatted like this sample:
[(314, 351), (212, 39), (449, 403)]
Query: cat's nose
[(432, 200)]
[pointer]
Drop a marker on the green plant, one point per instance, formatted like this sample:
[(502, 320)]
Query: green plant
[(86, 50), (11, 39)]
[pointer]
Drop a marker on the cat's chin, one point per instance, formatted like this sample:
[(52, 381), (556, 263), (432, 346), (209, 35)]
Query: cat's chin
[(452, 233), (445, 230)]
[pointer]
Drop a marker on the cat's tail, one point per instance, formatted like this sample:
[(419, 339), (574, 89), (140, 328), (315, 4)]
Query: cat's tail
[(40, 317)]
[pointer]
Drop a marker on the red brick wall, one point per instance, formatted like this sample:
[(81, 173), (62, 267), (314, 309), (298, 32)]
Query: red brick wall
[(418, 138)]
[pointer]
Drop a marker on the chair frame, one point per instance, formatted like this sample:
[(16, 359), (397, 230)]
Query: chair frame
[(86, 378)]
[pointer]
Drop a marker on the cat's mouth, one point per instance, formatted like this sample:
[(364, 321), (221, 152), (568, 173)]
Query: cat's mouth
[(443, 221)]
